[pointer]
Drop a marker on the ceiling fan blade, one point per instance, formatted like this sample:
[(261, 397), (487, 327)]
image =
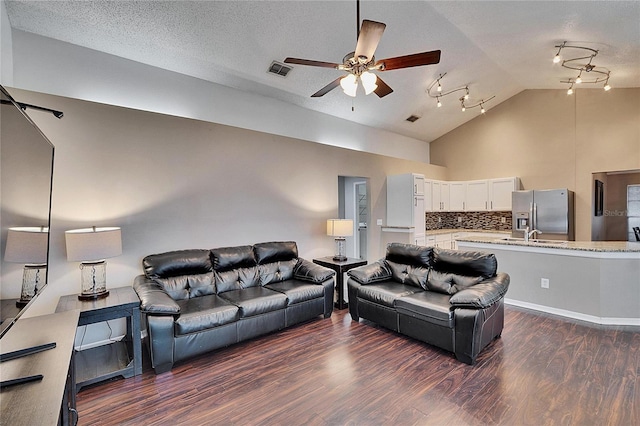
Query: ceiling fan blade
[(383, 88), (368, 39), (329, 87), (311, 63), (415, 60)]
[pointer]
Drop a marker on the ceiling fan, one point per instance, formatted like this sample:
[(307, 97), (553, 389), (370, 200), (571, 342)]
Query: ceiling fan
[(361, 62)]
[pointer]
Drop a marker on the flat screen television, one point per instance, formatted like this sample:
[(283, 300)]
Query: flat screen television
[(26, 176)]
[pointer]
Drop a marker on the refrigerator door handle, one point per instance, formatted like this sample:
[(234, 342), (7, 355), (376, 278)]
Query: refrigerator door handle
[(531, 224), (535, 216)]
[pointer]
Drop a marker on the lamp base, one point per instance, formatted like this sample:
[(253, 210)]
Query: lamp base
[(340, 258), (22, 303), (93, 296)]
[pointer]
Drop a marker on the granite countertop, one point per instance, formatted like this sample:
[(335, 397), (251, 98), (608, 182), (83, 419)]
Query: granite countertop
[(594, 246), (452, 230)]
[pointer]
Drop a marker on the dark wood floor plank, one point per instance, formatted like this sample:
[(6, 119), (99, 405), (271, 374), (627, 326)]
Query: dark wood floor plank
[(544, 370)]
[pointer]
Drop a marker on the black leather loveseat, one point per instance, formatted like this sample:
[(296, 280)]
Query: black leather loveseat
[(194, 301), (448, 298)]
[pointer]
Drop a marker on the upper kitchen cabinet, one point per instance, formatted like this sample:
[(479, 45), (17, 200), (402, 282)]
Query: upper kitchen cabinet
[(439, 196), (500, 193), (457, 196), (477, 199)]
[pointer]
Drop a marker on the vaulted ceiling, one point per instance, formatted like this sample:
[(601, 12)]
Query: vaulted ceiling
[(497, 49)]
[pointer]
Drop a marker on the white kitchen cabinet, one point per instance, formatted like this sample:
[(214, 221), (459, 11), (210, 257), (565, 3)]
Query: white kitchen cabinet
[(405, 204), (428, 195), (457, 195), (500, 193), (440, 196), (443, 241), (430, 241), (477, 196)]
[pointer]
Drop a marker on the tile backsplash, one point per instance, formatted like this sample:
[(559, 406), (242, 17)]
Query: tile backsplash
[(470, 220)]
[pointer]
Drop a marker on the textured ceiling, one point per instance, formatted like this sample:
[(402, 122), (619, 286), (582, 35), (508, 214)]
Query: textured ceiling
[(496, 48)]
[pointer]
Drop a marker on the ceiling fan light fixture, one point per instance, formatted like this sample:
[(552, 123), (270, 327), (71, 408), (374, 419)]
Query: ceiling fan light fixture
[(368, 80), (349, 85)]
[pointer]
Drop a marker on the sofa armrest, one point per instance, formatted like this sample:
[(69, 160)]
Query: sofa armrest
[(483, 294), (153, 298), (371, 273), (309, 271)]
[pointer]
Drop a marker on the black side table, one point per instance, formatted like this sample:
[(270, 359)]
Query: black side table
[(123, 358), (340, 267)]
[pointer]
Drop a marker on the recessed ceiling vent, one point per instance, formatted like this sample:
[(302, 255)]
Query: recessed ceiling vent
[(279, 69), (412, 118)]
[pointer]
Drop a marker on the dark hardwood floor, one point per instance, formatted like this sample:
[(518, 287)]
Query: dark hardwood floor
[(544, 370)]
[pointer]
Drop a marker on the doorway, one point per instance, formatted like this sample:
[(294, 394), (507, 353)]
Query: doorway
[(353, 204)]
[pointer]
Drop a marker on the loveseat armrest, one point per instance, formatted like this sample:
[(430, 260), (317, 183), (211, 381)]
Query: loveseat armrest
[(371, 273), (483, 294), (309, 271), (153, 298)]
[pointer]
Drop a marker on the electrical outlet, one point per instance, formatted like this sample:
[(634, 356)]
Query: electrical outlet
[(379, 222), (459, 219), (503, 220), (544, 282)]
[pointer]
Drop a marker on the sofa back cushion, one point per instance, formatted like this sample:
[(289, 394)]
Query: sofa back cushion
[(412, 275), (276, 271), (465, 263), (227, 258), (448, 283), (182, 274), (275, 251), (409, 254), (236, 279)]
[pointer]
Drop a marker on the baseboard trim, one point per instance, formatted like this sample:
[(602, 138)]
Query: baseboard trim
[(574, 315)]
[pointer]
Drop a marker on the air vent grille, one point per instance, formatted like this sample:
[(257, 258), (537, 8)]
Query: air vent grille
[(413, 118), (280, 69)]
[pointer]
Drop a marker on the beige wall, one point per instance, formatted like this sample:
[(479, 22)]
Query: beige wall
[(549, 140), (175, 183)]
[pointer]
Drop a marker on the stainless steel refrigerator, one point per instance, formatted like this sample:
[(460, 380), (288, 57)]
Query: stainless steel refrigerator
[(550, 211)]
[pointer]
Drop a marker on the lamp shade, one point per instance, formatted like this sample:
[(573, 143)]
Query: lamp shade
[(340, 227), (27, 245), (93, 243)]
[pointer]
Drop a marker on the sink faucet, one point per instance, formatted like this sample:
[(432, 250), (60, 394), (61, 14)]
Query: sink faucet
[(528, 234)]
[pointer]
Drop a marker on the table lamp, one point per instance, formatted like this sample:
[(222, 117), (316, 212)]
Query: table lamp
[(91, 246), (340, 228), (28, 245)]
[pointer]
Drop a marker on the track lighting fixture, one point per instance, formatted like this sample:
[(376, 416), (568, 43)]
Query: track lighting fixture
[(582, 64), (438, 94), (480, 104)]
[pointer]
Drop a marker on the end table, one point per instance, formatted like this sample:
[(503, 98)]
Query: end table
[(123, 358), (340, 267)]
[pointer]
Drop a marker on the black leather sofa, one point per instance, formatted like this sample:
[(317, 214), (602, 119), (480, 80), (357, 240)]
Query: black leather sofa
[(194, 301), (448, 298)]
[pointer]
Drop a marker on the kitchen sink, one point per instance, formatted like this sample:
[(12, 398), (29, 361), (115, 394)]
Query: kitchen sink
[(536, 241)]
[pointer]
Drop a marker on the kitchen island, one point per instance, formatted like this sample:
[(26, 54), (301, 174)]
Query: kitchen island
[(595, 281)]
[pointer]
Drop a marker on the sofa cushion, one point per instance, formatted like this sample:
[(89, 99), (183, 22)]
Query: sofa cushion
[(298, 291), (275, 251), (236, 279), (467, 263), (177, 263), (409, 274), (202, 313), (227, 258), (447, 283), (276, 271), (186, 286), (255, 300), (409, 254), (385, 293), (427, 305)]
